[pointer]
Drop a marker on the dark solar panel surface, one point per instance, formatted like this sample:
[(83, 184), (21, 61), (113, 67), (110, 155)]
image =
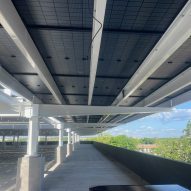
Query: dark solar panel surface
[(61, 30)]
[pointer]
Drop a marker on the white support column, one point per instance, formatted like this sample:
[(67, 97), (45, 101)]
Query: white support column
[(17, 139), (46, 139), (79, 138), (76, 140), (13, 139), (3, 141), (30, 170), (60, 128), (69, 136), (60, 149), (69, 145), (73, 140), (33, 133), (73, 137)]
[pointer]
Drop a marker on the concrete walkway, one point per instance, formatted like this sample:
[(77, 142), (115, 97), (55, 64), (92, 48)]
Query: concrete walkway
[(87, 167)]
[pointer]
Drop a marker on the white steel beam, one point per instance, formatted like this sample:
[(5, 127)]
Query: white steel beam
[(98, 14), (5, 99), (90, 131), (95, 125), (176, 84), (178, 32), (48, 110), (12, 23), (6, 109), (9, 114), (13, 84), (68, 125), (185, 97)]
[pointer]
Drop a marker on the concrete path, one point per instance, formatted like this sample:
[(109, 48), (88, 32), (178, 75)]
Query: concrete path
[(87, 167)]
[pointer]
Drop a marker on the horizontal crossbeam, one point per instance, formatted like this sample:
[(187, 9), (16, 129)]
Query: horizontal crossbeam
[(48, 110)]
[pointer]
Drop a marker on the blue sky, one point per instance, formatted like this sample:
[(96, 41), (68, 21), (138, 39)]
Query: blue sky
[(167, 124)]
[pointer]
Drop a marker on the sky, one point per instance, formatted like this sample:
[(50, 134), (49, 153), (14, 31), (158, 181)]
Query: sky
[(166, 124)]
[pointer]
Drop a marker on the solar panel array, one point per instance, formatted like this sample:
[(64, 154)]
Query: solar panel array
[(62, 30)]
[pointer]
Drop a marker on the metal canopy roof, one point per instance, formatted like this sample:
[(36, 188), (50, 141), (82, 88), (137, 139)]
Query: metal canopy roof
[(62, 33)]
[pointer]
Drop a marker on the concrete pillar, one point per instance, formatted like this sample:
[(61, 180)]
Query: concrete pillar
[(78, 138), (61, 131), (13, 139), (17, 139), (73, 141), (33, 133), (3, 141), (60, 152), (30, 173), (30, 168), (46, 139), (69, 145)]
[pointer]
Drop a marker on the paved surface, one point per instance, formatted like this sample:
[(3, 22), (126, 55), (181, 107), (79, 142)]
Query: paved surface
[(8, 162), (88, 167)]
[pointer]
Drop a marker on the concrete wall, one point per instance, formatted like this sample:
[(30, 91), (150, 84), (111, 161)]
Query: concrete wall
[(155, 170)]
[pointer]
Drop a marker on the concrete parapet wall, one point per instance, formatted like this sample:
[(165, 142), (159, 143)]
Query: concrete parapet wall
[(154, 169)]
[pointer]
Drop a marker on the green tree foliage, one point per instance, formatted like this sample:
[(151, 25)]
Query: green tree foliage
[(187, 130), (118, 141), (148, 141), (174, 148)]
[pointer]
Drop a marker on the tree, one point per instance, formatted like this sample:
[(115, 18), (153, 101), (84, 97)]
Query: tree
[(148, 140), (118, 141), (187, 130), (174, 148)]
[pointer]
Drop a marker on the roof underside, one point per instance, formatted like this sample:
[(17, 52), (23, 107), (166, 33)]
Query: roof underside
[(62, 31)]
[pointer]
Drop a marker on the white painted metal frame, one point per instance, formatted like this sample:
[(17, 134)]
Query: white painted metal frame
[(99, 14), (68, 125), (48, 110), (178, 32), (12, 23), (176, 84), (179, 82), (185, 97), (10, 82)]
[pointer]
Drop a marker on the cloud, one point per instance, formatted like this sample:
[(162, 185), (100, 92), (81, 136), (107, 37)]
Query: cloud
[(148, 128), (166, 124), (170, 129), (174, 115)]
